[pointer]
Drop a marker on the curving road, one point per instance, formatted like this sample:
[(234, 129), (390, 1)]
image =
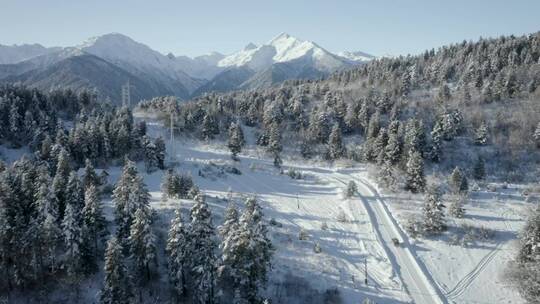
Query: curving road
[(418, 283)]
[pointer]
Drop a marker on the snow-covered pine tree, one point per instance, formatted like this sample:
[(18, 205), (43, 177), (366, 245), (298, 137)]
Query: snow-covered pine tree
[(178, 253), (150, 154), (352, 189), (116, 287), (436, 142), (142, 245), (159, 143), (456, 206), (481, 135), (386, 175), (130, 193), (168, 185), (414, 136), (72, 233), (458, 181), (528, 257), (230, 221), (203, 247), (90, 176), (49, 233), (261, 249), (274, 143), (247, 253), (335, 144), (373, 126), (94, 228), (393, 148), (415, 178), (433, 212), (379, 146), (209, 127), (479, 170), (236, 139), (319, 125), (529, 240), (60, 181), (75, 192)]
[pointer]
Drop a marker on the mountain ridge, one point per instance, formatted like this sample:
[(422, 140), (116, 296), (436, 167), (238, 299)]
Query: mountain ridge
[(281, 58)]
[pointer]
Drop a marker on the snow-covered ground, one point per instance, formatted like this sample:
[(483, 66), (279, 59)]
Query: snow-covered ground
[(423, 271), (473, 273)]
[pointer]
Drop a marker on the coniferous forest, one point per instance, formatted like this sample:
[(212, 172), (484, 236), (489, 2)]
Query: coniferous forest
[(255, 178)]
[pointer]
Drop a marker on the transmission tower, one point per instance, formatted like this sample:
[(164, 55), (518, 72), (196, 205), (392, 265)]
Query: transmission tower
[(126, 94)]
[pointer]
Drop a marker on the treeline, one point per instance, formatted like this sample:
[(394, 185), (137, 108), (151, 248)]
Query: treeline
[(100, 133), (26, 115), (460, 105)]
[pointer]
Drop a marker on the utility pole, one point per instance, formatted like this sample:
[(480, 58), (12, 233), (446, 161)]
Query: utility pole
[(297, 201), (365, 270), (173, 152)]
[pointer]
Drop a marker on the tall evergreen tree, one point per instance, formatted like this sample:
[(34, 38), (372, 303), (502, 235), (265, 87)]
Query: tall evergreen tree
[(159, 143), (335, 143), (203, 252), (94, 227), (481, 135), (393, 147), (236, 139), (433, 212), (415, 178), (72, 233), (178, 246), (142, 245), (130, 193), (247, 254), (274, 143), (90, 176), (116, 288), (436, 142), (479, 170), (60, 181), (458, 181)]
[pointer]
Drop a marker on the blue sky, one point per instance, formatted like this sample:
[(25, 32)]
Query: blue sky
[(197, 27)]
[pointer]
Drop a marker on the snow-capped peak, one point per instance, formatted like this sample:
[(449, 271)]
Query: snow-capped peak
[(356, 56), (250, 46), (283, 48)]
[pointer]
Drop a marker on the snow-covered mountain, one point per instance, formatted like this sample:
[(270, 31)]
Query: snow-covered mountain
[(284, 57), (356, 56), (139, 59), (283, 48), (203, 67), (16, 53)]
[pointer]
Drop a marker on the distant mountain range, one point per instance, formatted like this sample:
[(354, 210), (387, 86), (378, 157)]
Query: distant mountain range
[(106, 62)]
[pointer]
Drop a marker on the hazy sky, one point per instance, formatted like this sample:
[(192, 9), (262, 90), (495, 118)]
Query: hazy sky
[(197, 27)]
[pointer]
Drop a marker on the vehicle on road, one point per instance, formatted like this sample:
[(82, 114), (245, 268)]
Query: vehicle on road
[(395, 241)]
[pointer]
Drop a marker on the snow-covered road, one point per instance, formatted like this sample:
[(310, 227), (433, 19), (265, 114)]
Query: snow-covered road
[(418, 283)]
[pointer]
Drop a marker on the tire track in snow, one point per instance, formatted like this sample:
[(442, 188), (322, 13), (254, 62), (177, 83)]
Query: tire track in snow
[(468, 279), (412, 274)]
